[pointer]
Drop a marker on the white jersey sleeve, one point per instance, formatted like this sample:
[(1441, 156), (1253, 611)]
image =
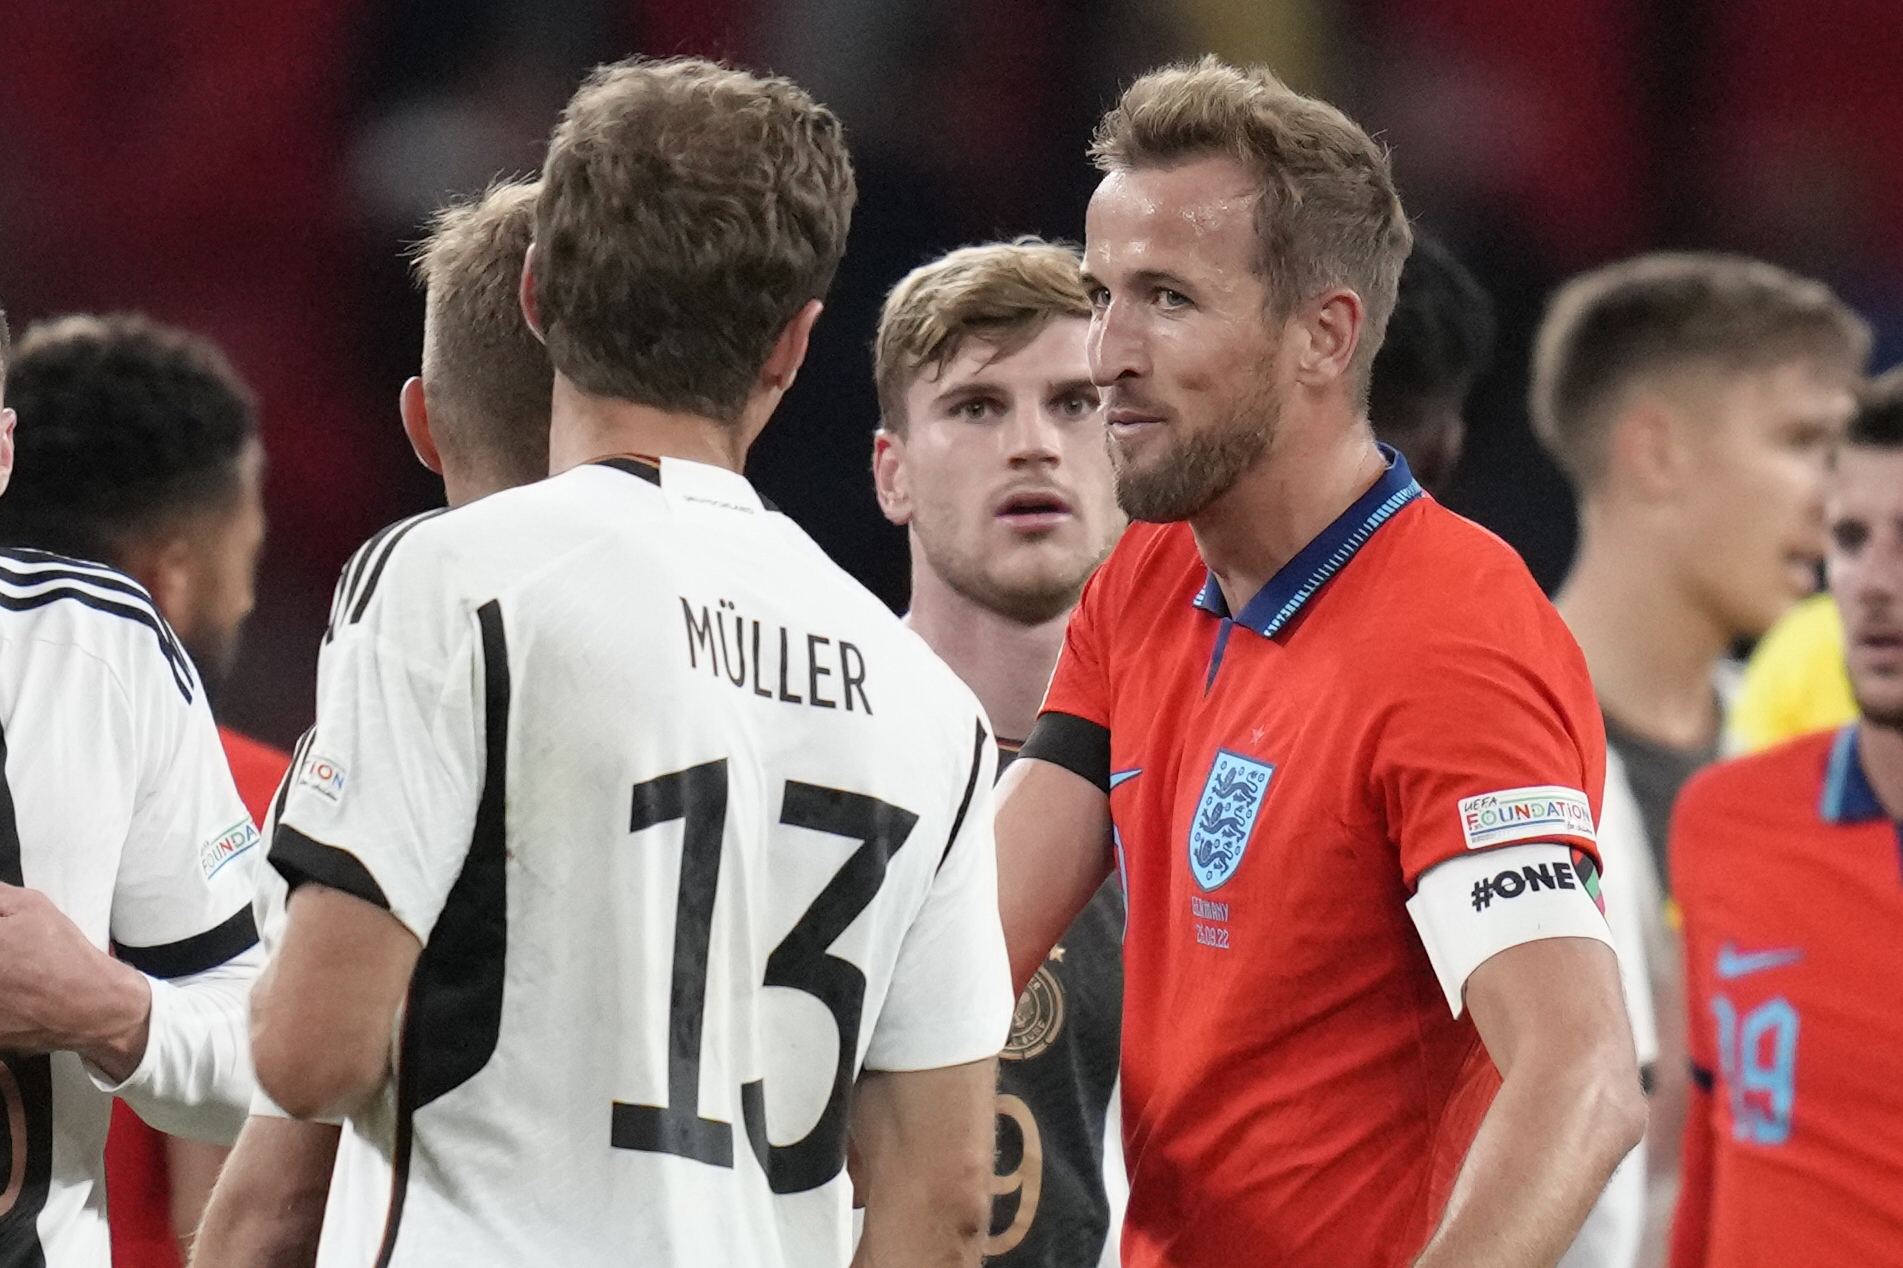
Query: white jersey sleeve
[(383, 798), (182, 900), (950, 999)]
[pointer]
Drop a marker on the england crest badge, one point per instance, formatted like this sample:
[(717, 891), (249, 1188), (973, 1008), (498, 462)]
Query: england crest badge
[(1219, 831)]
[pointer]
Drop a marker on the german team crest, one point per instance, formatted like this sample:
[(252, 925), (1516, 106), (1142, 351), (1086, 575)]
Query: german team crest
[(1219, 832)]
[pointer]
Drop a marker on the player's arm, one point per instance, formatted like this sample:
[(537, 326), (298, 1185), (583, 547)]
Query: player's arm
[(1569, 1106), (267, 1209), (1053, 828), (324, 1012), (923, 1142)]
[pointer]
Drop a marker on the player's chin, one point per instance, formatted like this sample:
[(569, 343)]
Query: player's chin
[(1033, 586)]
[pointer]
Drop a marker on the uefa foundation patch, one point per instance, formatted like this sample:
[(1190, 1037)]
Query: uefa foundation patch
[(226, 846), (1525, 814), (324, 776)]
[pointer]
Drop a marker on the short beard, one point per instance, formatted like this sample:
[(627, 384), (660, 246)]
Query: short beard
[(213, 656), (1032, 604), (1886, 719), (1198, 468)]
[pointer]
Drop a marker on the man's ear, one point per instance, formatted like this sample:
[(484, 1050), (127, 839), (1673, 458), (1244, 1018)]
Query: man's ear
[(789, 350), (1330, 329), (1645, 448), (888, 476), (525, 292), (414, 408), (6, 448)]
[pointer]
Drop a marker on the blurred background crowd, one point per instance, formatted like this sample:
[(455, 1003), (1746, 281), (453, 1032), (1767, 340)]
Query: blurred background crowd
[(255, 173)]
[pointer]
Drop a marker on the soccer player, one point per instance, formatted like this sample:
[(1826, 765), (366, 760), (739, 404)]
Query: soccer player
[(1439, 340), (990, 451), (1350, 752), (478, 416), (648, 831), (1691, 400), (120, 826), (138, 447), (1788, 866)]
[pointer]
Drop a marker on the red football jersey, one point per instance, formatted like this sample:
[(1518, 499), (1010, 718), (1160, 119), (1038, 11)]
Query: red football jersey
[(1296, 1089), (138, 1190), (1790, 877)]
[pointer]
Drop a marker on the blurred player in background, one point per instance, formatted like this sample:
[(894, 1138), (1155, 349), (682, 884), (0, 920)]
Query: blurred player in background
[(139, 448), (1350, 752), (1692, 400), (1439, 341), (1795, 681), (120, 826), (990, 452), (1789, 868), (477, 416), (652, 827)]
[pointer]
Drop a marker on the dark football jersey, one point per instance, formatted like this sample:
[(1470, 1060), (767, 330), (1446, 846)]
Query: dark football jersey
[(1055, 1079)]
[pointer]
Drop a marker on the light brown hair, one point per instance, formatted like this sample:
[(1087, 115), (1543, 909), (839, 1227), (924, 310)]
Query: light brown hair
[(688, 212), (1609, 329), (487, 376), (1002, 294), (1328, 214)]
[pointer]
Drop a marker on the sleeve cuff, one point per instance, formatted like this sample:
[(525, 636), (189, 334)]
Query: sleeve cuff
[(1079, 745), (299, 858), (141, 1076), (1474, 906), (207, 950)]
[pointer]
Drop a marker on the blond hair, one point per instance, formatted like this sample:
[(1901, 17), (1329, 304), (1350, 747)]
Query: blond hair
[(488, 376), (1327, 215), (688, 212), (1002, 294), (1608, 329)]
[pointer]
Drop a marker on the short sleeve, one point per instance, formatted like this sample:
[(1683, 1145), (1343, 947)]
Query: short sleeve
[(1486, 746), (950, 998), (383, 797), (182, 896), (1073, 725), (1080, 686)]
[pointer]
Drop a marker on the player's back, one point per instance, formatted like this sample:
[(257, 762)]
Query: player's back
[(726, 841)]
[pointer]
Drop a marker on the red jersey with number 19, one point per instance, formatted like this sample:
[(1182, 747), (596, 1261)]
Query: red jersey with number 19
[(1296, 1084)]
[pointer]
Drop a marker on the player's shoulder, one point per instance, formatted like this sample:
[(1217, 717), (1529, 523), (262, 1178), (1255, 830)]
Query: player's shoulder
[(363, 572), (96, 609), (1782, 778)]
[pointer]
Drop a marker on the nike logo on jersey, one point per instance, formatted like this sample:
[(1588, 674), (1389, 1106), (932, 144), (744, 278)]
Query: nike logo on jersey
[(1733, 963), (1119, 776)]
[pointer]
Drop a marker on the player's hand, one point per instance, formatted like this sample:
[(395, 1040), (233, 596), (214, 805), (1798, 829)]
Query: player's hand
[(60, 993)]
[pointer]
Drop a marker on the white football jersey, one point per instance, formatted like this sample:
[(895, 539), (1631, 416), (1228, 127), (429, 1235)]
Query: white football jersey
[(115, 802), (692, 830)]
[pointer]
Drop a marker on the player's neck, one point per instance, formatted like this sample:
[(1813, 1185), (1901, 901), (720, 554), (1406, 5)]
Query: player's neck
[(1310, 475), (1006, 664), (584, 427), (1881, 748), (1649, 645)]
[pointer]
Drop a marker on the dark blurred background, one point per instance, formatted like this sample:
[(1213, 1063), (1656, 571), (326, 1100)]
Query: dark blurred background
[(255, 171)]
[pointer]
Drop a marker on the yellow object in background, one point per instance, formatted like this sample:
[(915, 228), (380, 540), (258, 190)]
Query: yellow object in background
[(1795, 681)]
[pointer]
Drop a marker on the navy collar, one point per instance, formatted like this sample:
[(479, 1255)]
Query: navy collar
[(1277, 602), (1848, 797)]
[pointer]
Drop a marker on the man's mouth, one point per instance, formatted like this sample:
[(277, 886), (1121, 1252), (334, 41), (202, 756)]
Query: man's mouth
[(1033, 510), (1127, 423)]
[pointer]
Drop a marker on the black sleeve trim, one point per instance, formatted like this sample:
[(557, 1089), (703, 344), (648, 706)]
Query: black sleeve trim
[(1077, 744), (1702, 1078), (299, 859), (197, 953), (971, 787)]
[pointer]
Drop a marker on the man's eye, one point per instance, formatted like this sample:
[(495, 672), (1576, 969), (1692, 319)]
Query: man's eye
[(1077, 404), (1171, 299), (973, 409), (1849, 536), (1099, 296)]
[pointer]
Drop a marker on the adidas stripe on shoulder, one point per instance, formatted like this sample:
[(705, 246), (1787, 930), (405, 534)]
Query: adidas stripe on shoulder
[(31, 579), (358, 581)]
